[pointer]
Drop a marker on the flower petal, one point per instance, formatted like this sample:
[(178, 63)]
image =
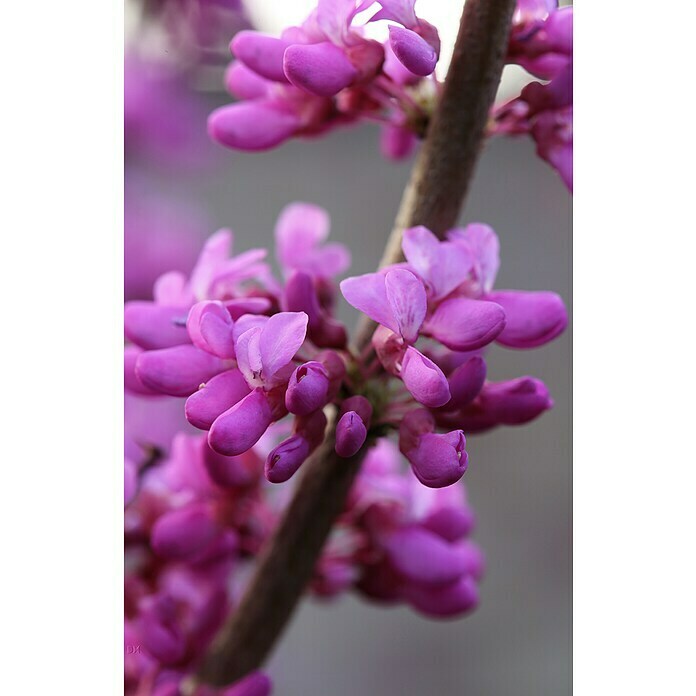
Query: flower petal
[(424, 557), (252, 126), (408, 302), (281, 338), (215, 397), (368, 294), (240, 428), (262, 53), (416, 54), (322, 68), (153, 326), (424, 379), (176, 371), (443, 266), (464, 324), (533, 318)]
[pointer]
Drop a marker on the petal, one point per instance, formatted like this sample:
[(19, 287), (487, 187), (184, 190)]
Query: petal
[(244, 83), (368, 294), (176, 371), (131, 381), (482, 242), (210, 327), (424, 379), (460, 597), (515, 401), (407, 300), (463, 324), (322, 69), (424, 557), (152, 326), (215, 397), (443, 266), (300, 228), (466, 382), (248, 351), (183, 533), (416, 54), (240, 428), (281, 338), (533, 318), (262, 53), (252, 126), (215, 252)]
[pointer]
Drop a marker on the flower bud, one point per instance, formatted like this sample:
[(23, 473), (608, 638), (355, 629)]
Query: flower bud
[(515, 401), (244, 83), (252, 126), (460, 597), (307, 389), (239, 428), (321, 68), (424, 557), (262, 53), (533, 318), (414, 52), (183, 533), (285, 459), (466, 382), (153, 326), (451, 523), (351, 430), (437, 460)]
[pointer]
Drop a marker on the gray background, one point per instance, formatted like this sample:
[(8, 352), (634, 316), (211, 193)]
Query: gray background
[(518, 641)]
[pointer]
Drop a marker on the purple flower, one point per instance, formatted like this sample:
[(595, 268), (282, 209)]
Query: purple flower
[(300, 236), (541, 41), (324, 73)]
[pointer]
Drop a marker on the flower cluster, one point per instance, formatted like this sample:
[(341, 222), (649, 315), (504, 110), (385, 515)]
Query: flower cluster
[(189, 521), (541, 41), (327, 72), (399, 541), (444, 293), (245, 351)]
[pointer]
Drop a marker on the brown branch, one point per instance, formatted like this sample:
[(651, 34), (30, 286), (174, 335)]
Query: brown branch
[(439, 182)]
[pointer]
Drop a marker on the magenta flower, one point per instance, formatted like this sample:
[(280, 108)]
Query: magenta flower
[(327, 72), (300, 235), (541, 41)]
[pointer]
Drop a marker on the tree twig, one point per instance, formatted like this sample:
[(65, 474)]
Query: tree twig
[(433, 197)]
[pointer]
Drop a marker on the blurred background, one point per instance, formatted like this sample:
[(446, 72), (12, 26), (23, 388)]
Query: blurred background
[(519, 479)]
